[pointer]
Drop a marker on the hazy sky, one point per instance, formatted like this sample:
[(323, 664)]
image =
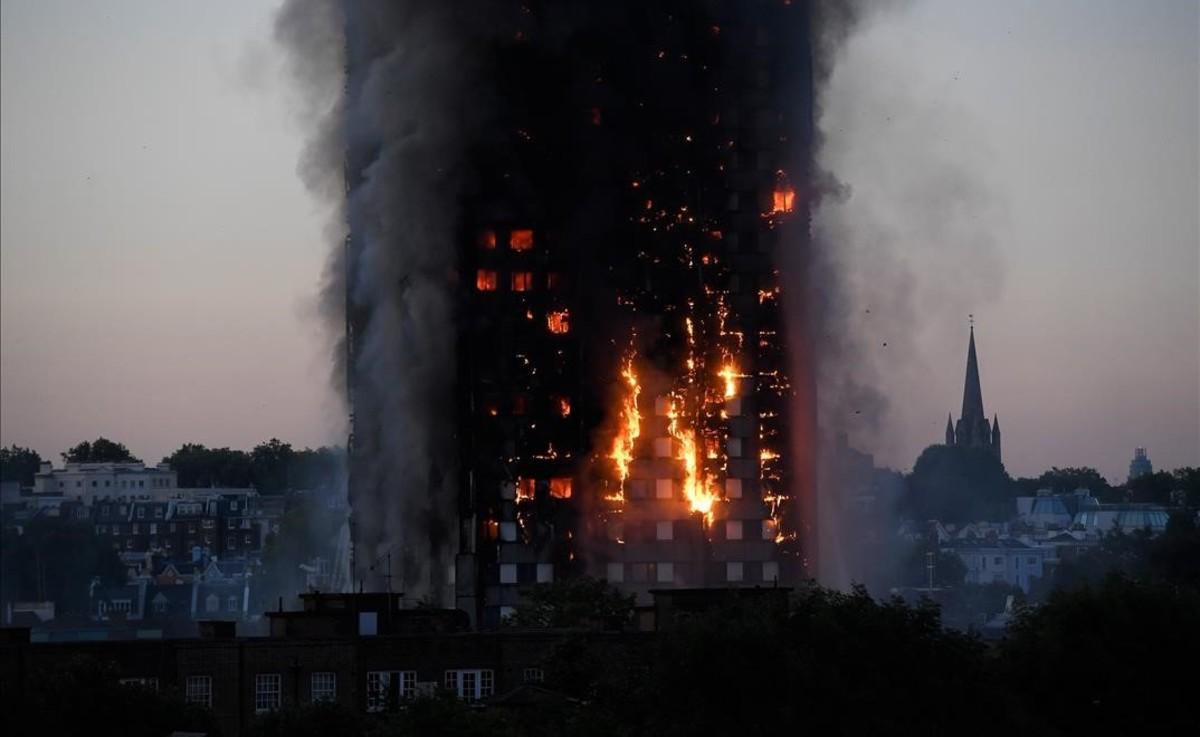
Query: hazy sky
[(159, 257)]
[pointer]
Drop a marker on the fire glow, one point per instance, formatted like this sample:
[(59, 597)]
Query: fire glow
[(629, 427)]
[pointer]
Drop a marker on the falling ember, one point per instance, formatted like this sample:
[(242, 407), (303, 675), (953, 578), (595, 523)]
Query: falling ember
[(558, 321), (628, 429)]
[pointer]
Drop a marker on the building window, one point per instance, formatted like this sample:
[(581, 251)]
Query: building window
[(545, 572), (560, 487), (486, 280), (323, 687), (508, 573), (141, 513), (733, 529), (150, 684), (769, 529), (664, 530), (662, 447), (534, 675), (770, 571), (212, 603), (267, 690), (665, 573), (616, 572), (558, 321), (124, 606), (733, 488), (662, 489), (198, 690), (521, 240), (385, 689), (734, 446), (733, 571), (553, 280), (522, 281), (231, 604), (487, 240), (470, 685), (999, 560)]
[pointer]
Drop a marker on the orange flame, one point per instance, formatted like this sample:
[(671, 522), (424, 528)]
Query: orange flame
[(784, 200), (628, 429), (558, 321), (729, 374), (700, 491)]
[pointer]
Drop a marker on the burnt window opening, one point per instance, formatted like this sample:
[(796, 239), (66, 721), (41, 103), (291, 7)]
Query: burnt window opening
[(521, 240), (558, 321), (486, 280), (553, 280), (522, 281), (487, 240), (560, 487)]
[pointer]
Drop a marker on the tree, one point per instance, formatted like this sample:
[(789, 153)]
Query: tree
[(1187, 480), (199, 467), (19, 464), (1153, 488), (959, 484), (581, 601), (100, 450), (1067, 480), (269, 464)]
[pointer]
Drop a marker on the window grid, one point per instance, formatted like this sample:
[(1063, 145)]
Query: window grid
[(198, 690), (267, 689), (324, 686)]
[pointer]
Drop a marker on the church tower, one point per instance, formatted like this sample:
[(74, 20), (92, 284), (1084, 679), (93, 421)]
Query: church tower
[(973, 429)]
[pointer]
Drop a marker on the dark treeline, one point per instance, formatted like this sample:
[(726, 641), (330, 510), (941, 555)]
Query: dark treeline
[(271, 467), (958, 484)]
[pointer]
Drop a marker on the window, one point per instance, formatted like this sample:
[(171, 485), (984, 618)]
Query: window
[(145, 682), (508, 532), (662, 447), (522, 281), (666, 572), (769, 528), (93, 484), (198, 690), (662, 489), (101, 529), (160, 606), (733, 571), (534, 675), (508, 573), (487, 240), (553, 280), (486, 280), (233, 505), (470, 685), (770, 571), (733, 488), (545, 572), (616, 572), (733, 529), (664, 530), (136, 528), (212, 603), (734, 446), (267, 689), (125, 606), (385, 689), (560, 487), (999, 560), (107, 484), (323, 687), (521, 240), (558, 321), (231, 604), (141, 513)]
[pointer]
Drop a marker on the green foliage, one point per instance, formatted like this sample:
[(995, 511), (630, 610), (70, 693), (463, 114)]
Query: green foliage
[(100, 450), (55, 560), (1171, 558), (582, 601), (1153, 488), (19, 464), (958, 484), (1111, 659), (1187, 480), (84, 697), (1067, 480), (272, 467)]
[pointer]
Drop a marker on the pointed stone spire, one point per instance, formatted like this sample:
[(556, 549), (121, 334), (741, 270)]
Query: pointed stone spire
[(949, 429), (996, 436), (972, 407)]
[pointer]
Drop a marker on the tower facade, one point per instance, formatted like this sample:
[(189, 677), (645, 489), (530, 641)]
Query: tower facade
[(973, 429), (622, 388)]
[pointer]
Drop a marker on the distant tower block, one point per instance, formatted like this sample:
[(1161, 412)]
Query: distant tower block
[(1140, 465)]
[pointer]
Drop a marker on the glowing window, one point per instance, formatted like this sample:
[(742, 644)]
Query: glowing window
[(522, 281), (487, 240), (486, 280), (784, 200), (521, 240), (564, 406), (662, 489), (558, 321), (553, 280), (733, 488), (491, 529), (525, 489), (560, 488), (733, 529)]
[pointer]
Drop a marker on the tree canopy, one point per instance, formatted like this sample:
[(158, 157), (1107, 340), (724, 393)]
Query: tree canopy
[(958, 484), (19, 464), (271, 467), (100, 450)]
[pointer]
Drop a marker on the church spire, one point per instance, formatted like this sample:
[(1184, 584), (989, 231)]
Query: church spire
[(972, 406), (949, 429)]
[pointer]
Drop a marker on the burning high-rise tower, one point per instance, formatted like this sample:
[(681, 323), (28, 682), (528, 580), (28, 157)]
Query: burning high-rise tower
[(571, 230)]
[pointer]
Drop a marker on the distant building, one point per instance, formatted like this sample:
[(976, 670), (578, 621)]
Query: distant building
[(88, 481), (1000, 559), (1140, 465), (1049, 511), (973, 429), (1106, 518)]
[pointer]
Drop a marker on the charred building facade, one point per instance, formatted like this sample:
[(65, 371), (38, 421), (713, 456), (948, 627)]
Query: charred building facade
[(622, 397)]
